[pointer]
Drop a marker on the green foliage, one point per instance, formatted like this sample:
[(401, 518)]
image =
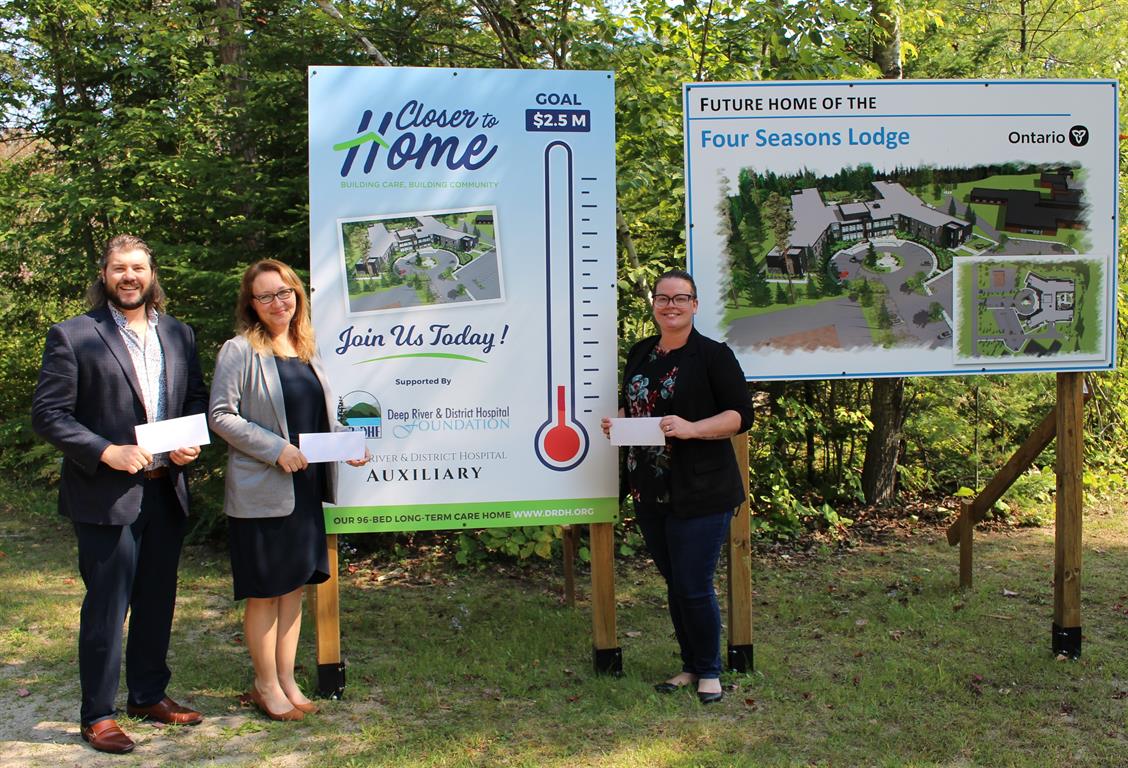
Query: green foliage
[(884, 318), (25, 456), (180, 124), (780, 514), (1030, 501), (517, 543), (528, 544)]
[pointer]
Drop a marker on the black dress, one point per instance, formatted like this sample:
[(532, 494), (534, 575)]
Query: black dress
[(271, 556)]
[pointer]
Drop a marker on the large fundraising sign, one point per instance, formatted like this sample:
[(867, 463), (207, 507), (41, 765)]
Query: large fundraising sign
[(462, 261), (890, 228)]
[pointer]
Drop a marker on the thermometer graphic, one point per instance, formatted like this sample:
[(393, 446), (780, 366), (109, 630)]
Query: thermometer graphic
[(561, 442)]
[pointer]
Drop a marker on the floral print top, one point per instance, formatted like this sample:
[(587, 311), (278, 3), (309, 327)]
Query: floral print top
[(649, 393)]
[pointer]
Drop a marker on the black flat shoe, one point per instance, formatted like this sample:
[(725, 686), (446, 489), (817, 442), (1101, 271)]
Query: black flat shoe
[(667, 687), (710, 698)]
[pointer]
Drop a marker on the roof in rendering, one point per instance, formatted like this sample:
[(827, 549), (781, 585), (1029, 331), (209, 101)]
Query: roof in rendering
[(896, 199), (1055, 299), (1027, 209), (812, 216), (429, 225), (379, 241)]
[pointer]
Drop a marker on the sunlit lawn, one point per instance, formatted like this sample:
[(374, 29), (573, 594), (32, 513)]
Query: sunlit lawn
[(864, 656)]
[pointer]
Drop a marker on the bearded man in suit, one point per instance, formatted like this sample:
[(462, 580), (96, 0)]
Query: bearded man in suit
[(123, 363)]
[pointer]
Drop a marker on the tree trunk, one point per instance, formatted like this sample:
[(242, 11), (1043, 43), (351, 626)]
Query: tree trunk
[(883, 446), (809, 430), (624, 234), (887, 403), (886, 38)]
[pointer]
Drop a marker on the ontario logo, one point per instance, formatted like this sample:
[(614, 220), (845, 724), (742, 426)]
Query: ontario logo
[(360, 411), (412, 137)]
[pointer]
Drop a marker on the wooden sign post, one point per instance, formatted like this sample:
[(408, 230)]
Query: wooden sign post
[(740, 573), (607, 656), (326, 600), (1067, 518), (1066, 423)]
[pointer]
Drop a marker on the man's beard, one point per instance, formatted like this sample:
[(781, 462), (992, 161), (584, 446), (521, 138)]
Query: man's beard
[(142, 300)]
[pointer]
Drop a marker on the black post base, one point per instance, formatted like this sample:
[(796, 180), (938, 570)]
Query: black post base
[(608, 661), (1066, 641), (740, 658), (331, 680)]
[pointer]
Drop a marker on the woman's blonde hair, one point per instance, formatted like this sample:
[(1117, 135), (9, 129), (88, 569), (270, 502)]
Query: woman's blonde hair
[(247, 321)]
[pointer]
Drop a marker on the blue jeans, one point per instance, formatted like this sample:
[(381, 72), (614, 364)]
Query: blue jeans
[(686, 551)]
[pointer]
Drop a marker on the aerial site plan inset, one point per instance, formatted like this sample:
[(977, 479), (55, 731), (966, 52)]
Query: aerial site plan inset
[(1029, 308), (419, 260)]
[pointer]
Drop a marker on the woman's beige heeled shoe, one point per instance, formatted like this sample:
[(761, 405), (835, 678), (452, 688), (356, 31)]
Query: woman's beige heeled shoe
[(293, 715)]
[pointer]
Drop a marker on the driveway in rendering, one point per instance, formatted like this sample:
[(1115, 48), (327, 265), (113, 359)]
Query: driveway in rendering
[(1017, 246), (909, 308), (942, 291), (400, 296), (791, 328), (439, 261), (481, 278)]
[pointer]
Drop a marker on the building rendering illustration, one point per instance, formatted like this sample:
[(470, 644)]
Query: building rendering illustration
[(429, 232), (1028, 211), (1054, 300), (1020, 312), (817, 223)]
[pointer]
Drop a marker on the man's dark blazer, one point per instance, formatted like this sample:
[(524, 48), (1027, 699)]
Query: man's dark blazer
[(89, 397), (704, 475)]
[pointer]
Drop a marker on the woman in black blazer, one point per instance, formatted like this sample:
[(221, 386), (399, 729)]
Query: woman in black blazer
[(685, 491)]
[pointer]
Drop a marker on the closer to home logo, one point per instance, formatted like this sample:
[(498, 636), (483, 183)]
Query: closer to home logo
[(360, 410), (1078, 135), (365, 136), (416, 142)]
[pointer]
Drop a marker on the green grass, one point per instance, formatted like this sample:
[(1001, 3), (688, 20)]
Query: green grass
[(969, 304), (992, 213), (370, 287), (745, 310), (866, 655), (884, 337)]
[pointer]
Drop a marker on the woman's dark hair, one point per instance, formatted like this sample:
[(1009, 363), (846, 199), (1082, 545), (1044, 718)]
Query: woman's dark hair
[(675, 274)]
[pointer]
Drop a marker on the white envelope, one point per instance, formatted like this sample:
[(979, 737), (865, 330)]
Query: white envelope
[(331, 446), (170, 434), (637, 431)]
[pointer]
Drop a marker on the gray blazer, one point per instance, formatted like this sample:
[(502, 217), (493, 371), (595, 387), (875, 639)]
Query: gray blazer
[(248, 412)]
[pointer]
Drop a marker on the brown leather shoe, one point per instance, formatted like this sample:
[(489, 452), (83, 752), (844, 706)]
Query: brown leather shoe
[(166, 711), (106, 736)]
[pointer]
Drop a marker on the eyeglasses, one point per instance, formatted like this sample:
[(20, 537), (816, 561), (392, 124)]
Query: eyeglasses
[(679, 300), (284, 294)]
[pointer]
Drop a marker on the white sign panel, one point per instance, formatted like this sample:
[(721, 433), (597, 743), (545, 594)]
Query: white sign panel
[(462, 227), (891, 228)]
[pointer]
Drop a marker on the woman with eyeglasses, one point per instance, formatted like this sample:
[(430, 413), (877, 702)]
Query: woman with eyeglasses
[(686, 491), (268, 388)]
